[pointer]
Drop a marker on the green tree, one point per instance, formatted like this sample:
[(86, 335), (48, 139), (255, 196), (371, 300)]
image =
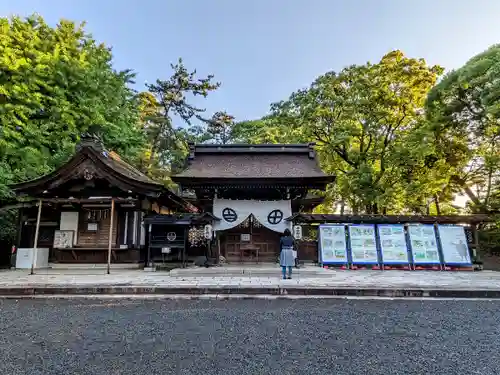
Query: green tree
[(220, 128), (463, 112), (55, 82), (368, 121), (269, 129), (170, 100)]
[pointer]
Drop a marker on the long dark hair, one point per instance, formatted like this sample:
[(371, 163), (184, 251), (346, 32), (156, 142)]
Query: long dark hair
[(287, 233)]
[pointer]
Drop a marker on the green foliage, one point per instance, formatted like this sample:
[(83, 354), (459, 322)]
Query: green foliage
[(220, 128), (397, 142), (463, 112), (167, 101), (366, 121), (269, 129), (54, 84)]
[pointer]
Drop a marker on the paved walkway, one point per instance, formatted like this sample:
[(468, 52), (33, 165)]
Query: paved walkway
[(360, 279)]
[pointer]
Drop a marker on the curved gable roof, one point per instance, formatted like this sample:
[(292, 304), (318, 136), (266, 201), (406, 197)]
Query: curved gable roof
[(250, 162)]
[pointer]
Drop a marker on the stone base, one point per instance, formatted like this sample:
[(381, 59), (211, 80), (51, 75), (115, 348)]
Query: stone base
[(280, 291)]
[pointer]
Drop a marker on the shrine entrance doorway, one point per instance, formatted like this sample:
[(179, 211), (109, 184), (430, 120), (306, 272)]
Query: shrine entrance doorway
[(250, 242)]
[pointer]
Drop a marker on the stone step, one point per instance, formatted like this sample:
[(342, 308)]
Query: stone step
[(95, 266), (263, 271), (221, 292)]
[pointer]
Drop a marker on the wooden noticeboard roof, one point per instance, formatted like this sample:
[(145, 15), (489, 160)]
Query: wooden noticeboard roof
[(389, 219)]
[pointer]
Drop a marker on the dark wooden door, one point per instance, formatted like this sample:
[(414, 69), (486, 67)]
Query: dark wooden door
[(263, 240)]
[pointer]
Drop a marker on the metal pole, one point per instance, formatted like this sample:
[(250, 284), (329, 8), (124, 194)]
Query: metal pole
[(37, 230), (111, 234)]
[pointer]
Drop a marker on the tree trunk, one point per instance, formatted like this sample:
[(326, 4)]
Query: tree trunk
[(436, 202)]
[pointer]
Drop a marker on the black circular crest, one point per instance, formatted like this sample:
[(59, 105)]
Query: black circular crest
[(171, 236), (229, 215), (275, 217)]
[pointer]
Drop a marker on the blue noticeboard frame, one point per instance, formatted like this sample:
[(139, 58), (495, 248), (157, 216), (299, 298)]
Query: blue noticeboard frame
[(372, 226), (399, 226), (440, 242), (412, 251), (320, 244)]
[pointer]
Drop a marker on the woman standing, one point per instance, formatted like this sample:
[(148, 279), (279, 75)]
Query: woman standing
[(287, 256)]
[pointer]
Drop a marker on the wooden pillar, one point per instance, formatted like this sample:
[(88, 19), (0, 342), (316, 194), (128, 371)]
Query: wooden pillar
[(184, 248), (149, 262), (20, 225), (475, 238), (110, 242), (217, 238), (37, 231)]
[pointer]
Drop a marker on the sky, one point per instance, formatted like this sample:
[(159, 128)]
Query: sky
[(263, 50)]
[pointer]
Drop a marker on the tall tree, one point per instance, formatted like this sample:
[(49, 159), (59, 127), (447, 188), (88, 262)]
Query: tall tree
[(363, 120), (55, 82), (170, 101), (269, 129), (463, 112), (220, 128)]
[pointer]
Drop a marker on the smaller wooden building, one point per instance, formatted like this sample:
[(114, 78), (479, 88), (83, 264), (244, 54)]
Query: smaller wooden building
[(178, 238), (91, 209)]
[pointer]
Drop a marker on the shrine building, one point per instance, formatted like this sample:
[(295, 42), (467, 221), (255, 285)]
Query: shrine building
[(252, 191), (96, 208), (90, 210)]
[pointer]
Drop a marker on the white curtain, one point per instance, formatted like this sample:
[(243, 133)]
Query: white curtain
[(271, 214)]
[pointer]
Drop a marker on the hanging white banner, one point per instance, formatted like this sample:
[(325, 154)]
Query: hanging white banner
[(271, 214)]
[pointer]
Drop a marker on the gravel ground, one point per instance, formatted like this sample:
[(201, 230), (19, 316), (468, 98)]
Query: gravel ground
[(249, 337)]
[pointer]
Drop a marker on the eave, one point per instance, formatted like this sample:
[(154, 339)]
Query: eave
[(245, 182), (388, 219), (65, 173)]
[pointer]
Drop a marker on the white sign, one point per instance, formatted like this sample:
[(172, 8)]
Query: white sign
[(245, 237), (454, 244), (63, 239), (207, 232), (363, 244), (92, 227), (166, 250), (297, 232), (393, 244), (333, 247), (423, 244)]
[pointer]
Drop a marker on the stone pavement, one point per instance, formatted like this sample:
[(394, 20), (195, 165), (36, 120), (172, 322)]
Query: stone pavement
[(330, 282)]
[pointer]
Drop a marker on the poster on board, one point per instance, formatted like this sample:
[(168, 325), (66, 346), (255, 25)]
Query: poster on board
[(393, 244), (423, 244), (333, 247), (363, 244), (454, 244)]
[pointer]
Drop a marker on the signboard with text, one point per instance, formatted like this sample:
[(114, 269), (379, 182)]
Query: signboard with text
[(393, 246), (423, 244), (332, 244), (363, 244), (454, 245)]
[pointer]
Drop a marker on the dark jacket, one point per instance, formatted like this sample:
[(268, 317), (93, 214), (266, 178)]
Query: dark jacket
[(287, 241)]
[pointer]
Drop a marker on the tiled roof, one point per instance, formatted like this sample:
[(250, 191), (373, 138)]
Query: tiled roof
[(252, 161), (114, 160)]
